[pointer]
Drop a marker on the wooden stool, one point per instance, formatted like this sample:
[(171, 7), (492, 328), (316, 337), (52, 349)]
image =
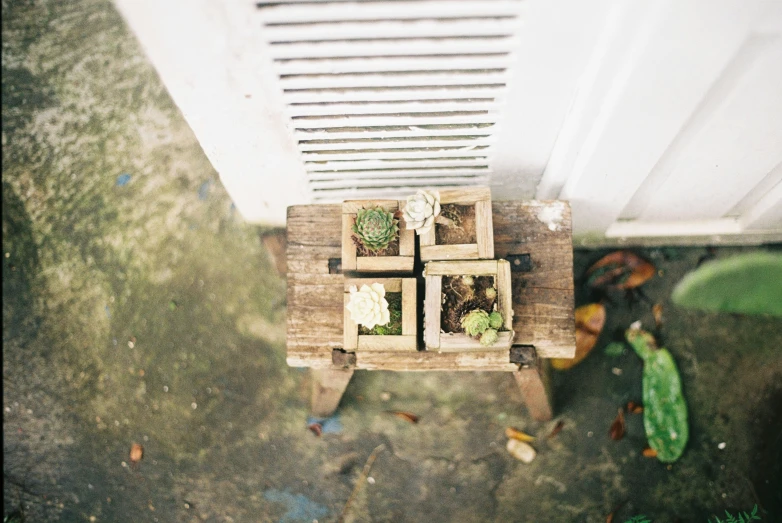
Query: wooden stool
[(534, 236)]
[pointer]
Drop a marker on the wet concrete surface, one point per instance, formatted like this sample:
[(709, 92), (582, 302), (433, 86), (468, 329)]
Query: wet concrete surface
[(138, 307)]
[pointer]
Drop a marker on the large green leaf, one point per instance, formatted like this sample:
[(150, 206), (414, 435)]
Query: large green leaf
[(665, 411), (747, 283)]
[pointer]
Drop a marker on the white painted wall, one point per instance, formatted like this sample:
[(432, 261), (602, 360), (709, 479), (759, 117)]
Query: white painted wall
[(654, 118)]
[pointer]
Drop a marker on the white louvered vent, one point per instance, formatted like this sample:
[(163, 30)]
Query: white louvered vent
[(385, 96)]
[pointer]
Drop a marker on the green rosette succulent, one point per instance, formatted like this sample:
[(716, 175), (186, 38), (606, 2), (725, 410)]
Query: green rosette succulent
[(488, 337), (475, 322), (495, 320), (375, 228)]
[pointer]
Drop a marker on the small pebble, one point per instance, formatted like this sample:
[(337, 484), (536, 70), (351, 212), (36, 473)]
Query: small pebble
[(385, 396), (521, 451), (165, 388), (124, 465), (194, 405), (590, 434), (722, 445), (131, 344), (371, 480), (617, 371)]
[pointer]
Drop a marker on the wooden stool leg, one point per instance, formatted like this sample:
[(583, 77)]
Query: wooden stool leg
[(328, 385), (534, 384)]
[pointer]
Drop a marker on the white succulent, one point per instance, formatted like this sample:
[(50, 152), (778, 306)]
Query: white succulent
[(368, 306), (421, 210)]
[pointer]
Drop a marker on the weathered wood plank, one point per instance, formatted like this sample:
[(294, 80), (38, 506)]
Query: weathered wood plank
[(353, 206), (464, 195), (349, 256), (390, 284), (432, 301), (458, 268), (409, 307), (387, 343), (406, 240), (484, 229), (383, 264), (350, 328), (449, 252), (505, 293)]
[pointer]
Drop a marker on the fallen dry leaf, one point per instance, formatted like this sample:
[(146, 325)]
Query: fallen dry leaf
[(316, 428), (556, 430), (649, 452), (407, 416), (634, 408), (512, 433), (590, 320), (620, 270), (521, 451), (136, 453), (657, 311), (617, 430)]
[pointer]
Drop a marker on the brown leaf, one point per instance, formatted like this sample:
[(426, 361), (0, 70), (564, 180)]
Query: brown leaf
[(617, 430), (649, 452), (556, 430), (620, 270), (657, 311), (512, 433), (634, 408), (407, 416), (136, 453), (316, 428), (610, 518), (590, 320)]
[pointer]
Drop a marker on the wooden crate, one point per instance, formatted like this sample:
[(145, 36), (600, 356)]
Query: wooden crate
[(434, 338), (408, 341), (480, 197), (350, 259)]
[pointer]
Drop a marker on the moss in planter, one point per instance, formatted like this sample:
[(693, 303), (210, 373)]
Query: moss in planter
[(394, 326), (463, 229)]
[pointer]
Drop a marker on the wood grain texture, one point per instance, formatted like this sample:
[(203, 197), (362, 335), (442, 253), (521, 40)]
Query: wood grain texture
[(383, 264), (504, 293), (427, 239), (453, 342), (459, 268), (449, 252), (328, 385), (349, 256), (432, 301), (543, 303), (350, 328), (389, 284), (409, 307), (464, 195), (534, 384), (387, 343), (484, 229), (406, 241)]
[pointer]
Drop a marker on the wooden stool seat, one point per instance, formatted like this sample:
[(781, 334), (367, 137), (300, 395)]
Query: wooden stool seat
[(534, 236)]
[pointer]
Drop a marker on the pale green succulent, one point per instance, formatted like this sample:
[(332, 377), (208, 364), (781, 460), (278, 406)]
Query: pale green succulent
[(488, 337), (495, 320), (376, 228), (475, 322), (491, 293)]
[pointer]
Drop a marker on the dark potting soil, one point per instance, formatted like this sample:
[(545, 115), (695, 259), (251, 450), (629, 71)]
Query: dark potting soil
[(394, 326), (463, 229), (460, 298), (391, 250)]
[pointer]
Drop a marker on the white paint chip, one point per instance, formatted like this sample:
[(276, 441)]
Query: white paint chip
[(551, 215)]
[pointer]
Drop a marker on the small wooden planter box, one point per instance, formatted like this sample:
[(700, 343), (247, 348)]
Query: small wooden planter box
[(434, 338), (480, 197), (408, 341), (350, 259)]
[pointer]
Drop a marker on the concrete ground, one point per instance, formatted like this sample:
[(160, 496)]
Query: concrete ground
[(138, 307)]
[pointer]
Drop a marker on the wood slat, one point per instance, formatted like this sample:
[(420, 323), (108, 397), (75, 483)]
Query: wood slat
[(484, 229), (504, 293), (409, 307), (455, 342), (387, 343), (433, 299), (349, 255), (457, 268), (385, 263), (350, 327), (449, 252), (390, 284)]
